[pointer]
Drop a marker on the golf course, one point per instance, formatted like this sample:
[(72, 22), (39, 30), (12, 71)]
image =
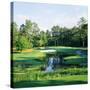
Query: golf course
[(28, 70), (49, 45)]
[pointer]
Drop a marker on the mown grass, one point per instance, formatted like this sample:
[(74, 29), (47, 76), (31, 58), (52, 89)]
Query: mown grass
[(32, 55), (65, 49), (33, 58), (75, 60), (33, 76)]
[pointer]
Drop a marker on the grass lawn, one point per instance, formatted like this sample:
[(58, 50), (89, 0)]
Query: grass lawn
[(33, 76), (75, 60), (65, 80), (34, 58), (32, 55)]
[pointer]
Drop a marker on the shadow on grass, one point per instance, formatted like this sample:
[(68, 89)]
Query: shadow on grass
[(23, 84), (29, 59)]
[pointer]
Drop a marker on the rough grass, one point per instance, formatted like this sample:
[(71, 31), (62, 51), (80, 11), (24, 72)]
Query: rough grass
[(65, 80), (33, 76), (37, 74)]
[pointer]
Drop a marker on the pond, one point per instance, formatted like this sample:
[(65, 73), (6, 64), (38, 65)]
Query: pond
[(55, 58)]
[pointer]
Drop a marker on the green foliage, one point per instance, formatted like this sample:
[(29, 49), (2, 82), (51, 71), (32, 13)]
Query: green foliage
[(28, 66), (76, 36), (83, 30), (14, 33), (43, 39), (23, 43)]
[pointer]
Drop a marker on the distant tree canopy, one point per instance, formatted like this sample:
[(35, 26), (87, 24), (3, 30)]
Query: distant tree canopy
[(29, 35)]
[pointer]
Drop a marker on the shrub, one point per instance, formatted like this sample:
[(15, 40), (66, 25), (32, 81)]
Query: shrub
[(23, 43)]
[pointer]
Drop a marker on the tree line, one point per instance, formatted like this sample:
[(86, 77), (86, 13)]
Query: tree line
[(29, 35)]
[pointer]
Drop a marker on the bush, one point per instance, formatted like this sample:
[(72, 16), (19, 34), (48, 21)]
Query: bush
[(23, 43)]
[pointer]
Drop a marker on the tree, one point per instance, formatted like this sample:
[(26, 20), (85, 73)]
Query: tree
[(14, 34), (24, 37), (29, 35), (35, 34), (23, 43), (31, 31), (43, 39), (26, 31), (75, 41), (55, 34), (82, 30), (48, 35)]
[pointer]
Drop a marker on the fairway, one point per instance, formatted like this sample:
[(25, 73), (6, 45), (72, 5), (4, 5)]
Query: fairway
[(28, 73)]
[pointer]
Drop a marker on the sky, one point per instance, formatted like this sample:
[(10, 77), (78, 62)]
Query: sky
[(48, 15)]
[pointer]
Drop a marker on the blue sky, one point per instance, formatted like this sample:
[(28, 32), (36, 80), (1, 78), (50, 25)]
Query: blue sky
[(47, 15)]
